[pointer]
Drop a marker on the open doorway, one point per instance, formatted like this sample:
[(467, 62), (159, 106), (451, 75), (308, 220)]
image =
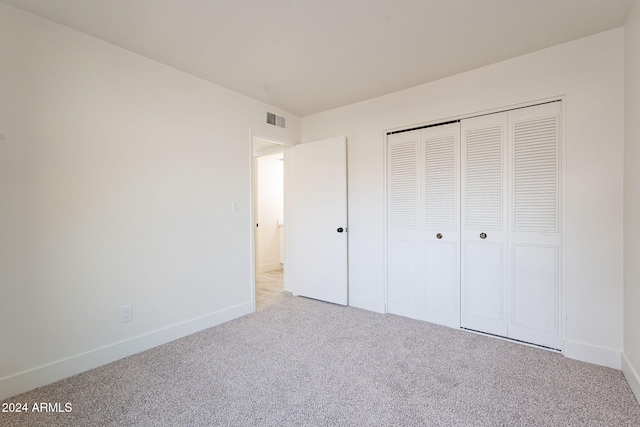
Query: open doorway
[(268, 195)]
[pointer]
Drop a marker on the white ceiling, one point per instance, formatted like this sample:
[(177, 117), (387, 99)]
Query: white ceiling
[(307, 56)]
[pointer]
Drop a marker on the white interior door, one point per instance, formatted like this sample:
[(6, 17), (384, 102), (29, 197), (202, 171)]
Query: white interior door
[(441, 218), (403, 264), (535, 235), (511, 248), (423, 224), (320, 220), (484, 224), (474, 224)]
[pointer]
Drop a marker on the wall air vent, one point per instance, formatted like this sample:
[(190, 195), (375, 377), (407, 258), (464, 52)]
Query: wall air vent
[(275, 120)]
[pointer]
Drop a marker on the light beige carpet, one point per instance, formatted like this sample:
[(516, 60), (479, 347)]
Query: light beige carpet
[(306, 363)]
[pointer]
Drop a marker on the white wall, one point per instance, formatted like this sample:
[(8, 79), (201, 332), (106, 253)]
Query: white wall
[(117, 176), (270, 210), (631, 357), (589, 74)]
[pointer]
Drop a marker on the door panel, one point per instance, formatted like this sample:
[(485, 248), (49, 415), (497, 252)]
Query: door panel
[(535, 287), (403, 283), (440, 234), (484, 224), (483, 288), (535, 235), (484, 170), (404, 295), (441, 177), (536, 171), (320, 209), (441, 283), (403, 182), (535, 304)]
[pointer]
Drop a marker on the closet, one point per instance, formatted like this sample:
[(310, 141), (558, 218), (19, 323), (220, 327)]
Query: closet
[(474, 224)]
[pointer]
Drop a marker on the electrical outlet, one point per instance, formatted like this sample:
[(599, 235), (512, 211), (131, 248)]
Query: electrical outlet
[(126, 313), (235, 207)]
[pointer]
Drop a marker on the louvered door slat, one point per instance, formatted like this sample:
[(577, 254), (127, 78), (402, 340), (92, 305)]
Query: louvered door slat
[(535, 175), (484, 178), (403, 189), (440, 183)]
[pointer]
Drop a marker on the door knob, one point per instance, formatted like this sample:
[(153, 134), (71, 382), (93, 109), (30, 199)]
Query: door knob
[(439, 236), (483, 235), (340, 230)]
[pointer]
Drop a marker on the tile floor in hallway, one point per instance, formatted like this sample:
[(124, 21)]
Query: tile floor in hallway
[(269, 288)]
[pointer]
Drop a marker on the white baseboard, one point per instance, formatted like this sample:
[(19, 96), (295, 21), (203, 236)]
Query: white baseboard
[(263, 268), (367, 304), (592, 354), (61, 369), (631, 376)]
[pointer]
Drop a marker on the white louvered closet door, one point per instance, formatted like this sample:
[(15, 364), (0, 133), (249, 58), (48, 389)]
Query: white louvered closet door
[(423, 224), (535, 235), (511, 237), (440, 232), (484, 224), (403, 289)]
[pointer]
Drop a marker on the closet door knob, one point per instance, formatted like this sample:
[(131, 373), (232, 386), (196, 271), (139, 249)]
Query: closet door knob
[(483, 235), (439, 236), (340, 230)]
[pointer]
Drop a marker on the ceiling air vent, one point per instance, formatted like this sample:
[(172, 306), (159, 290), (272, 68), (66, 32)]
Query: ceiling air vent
[(275, 120)]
